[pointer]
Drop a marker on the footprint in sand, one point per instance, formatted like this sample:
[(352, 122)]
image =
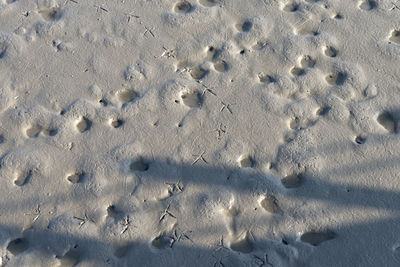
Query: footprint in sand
[(316, 238), (51, 14), (368, 5), (183, 7), (242, 244), (126, 95), (209, 3), (70, 258), (246, 161), (270, 203), (191, 99), (18, 246), (336, 78), (330, 51), (139, 164), (395, 36), (387, 121), (292, 181), (83, 124)]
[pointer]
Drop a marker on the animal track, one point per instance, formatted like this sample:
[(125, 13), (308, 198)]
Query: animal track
[(270, 204), (220, 66), (246, 161), (316, 238), (183, 7), (116, 123), (330, 51), (368, 5), (139, 165), (307, 62), (126, 96), (191, 99), (51, 14), (83, 124), (337, 78), (22, 177), (208, 3), (395, 36), (71, 258), (18, 246), (292, 181), (306, 31), (387, 121), (198, 72), (74, 177), (244, 26)]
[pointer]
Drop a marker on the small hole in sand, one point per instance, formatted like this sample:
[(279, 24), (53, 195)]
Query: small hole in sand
[(244, 26), (246, 161), (74, 178), (337, 78), (387, 121)]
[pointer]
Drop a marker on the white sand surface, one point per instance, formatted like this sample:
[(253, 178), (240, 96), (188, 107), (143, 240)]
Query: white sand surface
[(200, 133)]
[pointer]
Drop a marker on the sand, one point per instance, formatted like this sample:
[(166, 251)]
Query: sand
[(199, 133)]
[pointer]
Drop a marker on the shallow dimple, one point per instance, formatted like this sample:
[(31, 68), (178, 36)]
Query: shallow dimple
[(316, 238), (387, 121), (330, 51), (292, 181), (17, 246), (183, 7), (139, 165), (191, 99)]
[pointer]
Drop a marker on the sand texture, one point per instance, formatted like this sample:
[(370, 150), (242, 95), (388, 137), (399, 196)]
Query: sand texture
[(200, 133)]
